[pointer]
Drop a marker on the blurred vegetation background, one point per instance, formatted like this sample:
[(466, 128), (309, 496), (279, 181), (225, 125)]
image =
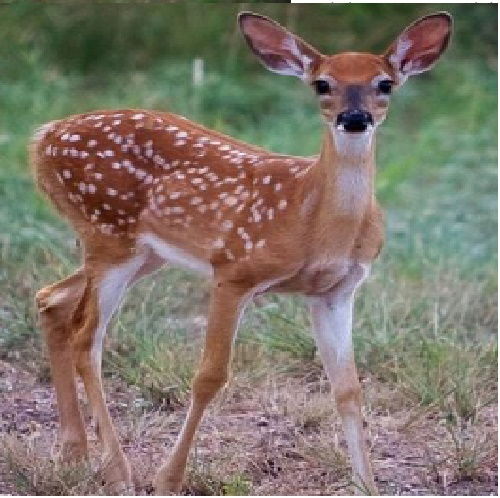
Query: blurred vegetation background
[(425, 321), (61, 59)]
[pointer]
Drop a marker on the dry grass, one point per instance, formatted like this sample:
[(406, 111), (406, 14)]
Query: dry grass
[(276, 436), (33, 472), (209, 479), (428, 369)]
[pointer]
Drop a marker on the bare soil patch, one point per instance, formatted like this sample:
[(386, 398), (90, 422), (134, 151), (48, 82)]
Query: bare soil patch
[(279, 438)]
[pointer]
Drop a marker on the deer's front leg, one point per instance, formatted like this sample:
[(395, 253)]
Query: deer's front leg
[(226, 306), (332, 326)]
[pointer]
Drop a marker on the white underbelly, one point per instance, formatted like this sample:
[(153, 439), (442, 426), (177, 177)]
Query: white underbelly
[(174, 255)]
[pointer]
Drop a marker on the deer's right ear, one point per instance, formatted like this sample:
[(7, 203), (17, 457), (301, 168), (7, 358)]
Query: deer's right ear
[(278, 49)]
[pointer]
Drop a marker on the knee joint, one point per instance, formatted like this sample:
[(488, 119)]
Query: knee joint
[(206, 384), (47, 299), (60, 315), (53, 315), (348, 399)]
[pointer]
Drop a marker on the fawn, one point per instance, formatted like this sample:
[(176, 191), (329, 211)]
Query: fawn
[(145, 188)]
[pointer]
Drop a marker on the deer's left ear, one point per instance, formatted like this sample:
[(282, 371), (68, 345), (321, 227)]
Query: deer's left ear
[(420, 45), (279, 50)]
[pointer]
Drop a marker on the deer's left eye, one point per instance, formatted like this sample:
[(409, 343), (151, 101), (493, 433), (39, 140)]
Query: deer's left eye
[(322, 87), (385, 86)]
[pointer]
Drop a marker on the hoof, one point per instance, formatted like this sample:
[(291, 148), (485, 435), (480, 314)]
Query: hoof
[(168, 488), (120, 489), (118, 476), (168, 483), (70, 451)]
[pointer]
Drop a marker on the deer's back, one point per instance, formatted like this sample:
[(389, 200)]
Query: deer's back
[(121, 173)]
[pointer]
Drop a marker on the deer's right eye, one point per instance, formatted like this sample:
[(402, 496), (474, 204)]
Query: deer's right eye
[(322, 87)]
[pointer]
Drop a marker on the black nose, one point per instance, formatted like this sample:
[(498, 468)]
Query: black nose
[(354, 120)]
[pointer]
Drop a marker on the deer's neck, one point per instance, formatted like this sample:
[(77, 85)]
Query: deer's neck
[(346, 165)]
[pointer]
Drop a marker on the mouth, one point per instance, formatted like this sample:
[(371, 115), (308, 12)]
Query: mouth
[(354, 129)]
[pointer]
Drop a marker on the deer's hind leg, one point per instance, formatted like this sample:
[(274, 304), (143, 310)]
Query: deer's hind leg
[(105, 288), (74, 314), (58, 307)]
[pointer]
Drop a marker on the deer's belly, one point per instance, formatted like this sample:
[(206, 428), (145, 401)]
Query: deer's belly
[(316, 278)]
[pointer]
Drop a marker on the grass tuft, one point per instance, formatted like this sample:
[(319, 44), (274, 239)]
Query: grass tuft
[(36, 474)]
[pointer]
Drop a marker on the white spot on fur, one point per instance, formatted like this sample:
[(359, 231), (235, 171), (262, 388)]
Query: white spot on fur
[(231, 200), (218, 243)]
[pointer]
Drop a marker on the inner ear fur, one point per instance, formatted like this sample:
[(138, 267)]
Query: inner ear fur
[(420, 45), (277, 48)]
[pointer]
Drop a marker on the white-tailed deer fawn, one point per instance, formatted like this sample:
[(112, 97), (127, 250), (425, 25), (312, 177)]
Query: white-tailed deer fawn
[(145, 188)]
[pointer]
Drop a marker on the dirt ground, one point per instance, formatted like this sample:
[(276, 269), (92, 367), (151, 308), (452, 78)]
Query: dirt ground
[(282, 436)]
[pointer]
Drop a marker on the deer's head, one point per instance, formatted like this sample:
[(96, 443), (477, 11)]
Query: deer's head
[(353, 88)]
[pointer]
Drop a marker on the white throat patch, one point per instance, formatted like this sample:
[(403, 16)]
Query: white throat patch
[(353, 175), (352, 147)]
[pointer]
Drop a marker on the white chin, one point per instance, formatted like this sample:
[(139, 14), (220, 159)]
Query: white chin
[(357, 143)]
